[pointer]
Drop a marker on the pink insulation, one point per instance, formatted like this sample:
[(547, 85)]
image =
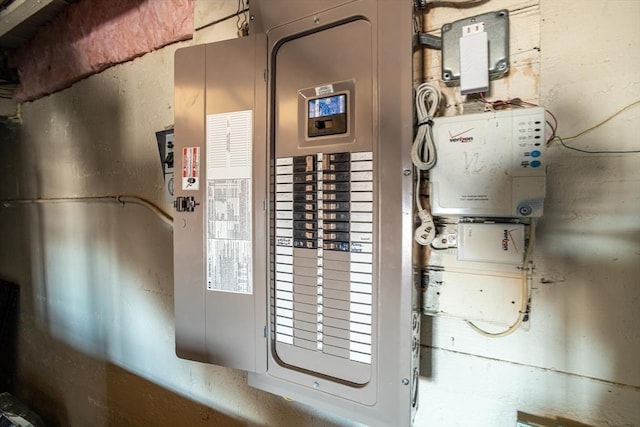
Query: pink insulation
[(92, 35)]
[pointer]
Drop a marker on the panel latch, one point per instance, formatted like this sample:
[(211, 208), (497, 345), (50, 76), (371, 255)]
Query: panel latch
[(185, 204)]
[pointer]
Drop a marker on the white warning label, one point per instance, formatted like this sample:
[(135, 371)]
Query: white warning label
[(324, 90), (229, 201), (191, 168)]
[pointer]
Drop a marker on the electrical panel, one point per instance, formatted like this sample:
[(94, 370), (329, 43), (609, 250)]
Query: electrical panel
[(293, 250), (489, 164)]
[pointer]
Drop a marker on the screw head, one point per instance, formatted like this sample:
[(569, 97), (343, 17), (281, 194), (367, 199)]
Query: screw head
[(316, 20), (316, 384), (406, 172), (405, 381), (525, 210)]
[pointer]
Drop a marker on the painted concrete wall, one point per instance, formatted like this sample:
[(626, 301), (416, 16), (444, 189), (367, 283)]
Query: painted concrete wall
[(96, 319)]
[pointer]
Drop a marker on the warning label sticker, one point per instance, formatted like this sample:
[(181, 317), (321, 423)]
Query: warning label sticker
[(191, 168), (324, 90), (229, 202)]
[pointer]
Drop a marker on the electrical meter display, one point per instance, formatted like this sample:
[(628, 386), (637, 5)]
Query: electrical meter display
[(322, 107), (327, 115)]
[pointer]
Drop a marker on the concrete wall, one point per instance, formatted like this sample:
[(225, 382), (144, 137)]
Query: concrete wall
[(96, 319)]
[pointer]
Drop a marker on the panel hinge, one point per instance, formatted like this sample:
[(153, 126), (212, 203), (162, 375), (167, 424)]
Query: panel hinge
[(265, 74), (185, 204)]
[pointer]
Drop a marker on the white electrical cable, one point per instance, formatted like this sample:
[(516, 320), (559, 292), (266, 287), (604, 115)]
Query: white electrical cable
[(165, 217), (426, 231), (423, 153), (526, 291)]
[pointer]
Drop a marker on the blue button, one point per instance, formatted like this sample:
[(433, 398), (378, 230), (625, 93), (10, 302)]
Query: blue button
[(534, 164), (535, 153)]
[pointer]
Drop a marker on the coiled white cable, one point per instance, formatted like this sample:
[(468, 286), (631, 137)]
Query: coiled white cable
[(423, 153)]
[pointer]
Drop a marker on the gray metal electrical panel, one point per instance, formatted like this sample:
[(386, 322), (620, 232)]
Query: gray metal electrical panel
[(293, 223)]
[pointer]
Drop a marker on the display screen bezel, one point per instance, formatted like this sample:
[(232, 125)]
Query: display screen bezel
[(337, 128)]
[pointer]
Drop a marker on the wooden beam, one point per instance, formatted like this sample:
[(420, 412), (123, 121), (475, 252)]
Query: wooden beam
[(21, 19)]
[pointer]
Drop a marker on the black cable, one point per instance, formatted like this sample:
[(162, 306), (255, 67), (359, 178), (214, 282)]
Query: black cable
[(233, 15), (5, 3)]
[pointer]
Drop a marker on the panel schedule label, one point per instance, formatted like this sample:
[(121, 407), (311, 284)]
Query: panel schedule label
[(228, 202)]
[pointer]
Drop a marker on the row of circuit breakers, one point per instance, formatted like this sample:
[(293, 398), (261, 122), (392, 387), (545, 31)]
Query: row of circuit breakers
[(293, 234), (325, 201)]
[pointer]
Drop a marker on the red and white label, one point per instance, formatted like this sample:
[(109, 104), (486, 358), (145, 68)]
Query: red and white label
[(191, 168)]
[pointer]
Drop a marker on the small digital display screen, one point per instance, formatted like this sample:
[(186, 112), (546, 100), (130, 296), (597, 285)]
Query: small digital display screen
[(328, 106)]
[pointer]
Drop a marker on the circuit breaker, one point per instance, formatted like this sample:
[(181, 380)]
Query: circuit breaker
[(293, 250)]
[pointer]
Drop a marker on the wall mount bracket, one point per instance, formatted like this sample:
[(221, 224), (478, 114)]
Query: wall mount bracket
[(496, 25)]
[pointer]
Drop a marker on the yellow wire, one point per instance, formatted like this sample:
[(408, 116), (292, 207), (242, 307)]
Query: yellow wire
[(602, 122)]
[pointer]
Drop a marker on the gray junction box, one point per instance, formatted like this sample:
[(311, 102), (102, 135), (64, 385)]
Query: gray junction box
[(293, 223)]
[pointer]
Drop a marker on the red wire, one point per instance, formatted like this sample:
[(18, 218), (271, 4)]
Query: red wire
[(518, 101), (555, 120)]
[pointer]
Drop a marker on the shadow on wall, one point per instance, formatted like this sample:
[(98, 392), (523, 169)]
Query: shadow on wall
[(98, 393), (133, 400), (8, 333), (73, 265), (548, 422), (426, 349), (65, 370), (591, 272)]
